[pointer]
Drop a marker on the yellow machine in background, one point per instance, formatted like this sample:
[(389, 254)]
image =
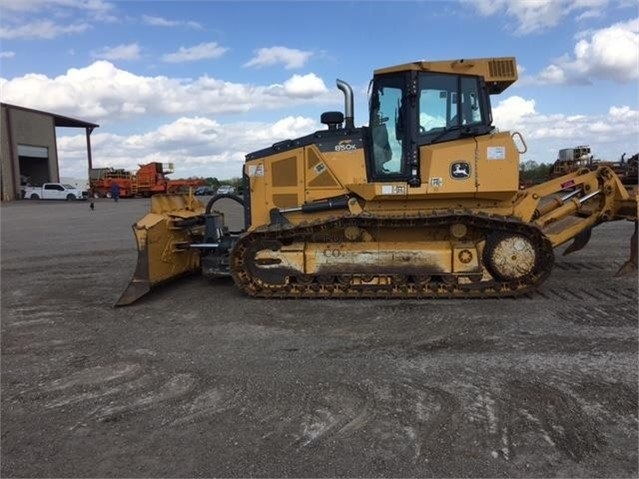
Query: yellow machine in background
[(422, 202)]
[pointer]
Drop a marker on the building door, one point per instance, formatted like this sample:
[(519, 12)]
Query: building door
[(34, 164)]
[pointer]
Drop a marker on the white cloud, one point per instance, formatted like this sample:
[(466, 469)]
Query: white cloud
[(290, 58), (104, 93), (590, 14), (198, 146), (512, 111), (552, 74), (43, 29), (538, 15), (163, 22), (305, 86), (194, 53), (7, 54), (24, 5), (609, 134), (486, 7), (121, 52), (40, 5), (33, 19), (47, 19), (624, 113), (610, 53)]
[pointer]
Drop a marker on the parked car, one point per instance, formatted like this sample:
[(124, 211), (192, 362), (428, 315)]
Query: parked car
[(226, 190), (204, 191), (54, 191)]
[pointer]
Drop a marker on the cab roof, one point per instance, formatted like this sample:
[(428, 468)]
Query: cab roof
[(498, 73)]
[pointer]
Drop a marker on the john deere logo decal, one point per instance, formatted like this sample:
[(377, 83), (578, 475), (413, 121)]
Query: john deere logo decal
[(460, 170)]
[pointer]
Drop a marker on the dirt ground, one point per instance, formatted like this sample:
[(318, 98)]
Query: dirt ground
[(198, 381)]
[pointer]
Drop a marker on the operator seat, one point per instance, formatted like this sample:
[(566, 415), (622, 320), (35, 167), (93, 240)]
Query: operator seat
[(382, 152)]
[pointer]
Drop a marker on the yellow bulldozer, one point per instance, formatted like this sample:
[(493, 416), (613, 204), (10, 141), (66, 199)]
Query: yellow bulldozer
[(423, 202)]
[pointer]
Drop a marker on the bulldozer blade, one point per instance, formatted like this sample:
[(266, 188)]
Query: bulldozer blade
[(630, 266), (162, 242), (140, 283), (579, 242)]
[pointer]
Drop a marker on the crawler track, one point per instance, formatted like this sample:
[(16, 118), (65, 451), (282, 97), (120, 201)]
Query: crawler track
[(389, 281)]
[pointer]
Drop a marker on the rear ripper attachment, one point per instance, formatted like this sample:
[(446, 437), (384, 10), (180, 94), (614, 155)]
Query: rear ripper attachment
[(576, 203)]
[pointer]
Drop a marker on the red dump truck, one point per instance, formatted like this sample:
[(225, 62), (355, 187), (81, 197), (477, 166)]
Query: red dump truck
[(148, 180)]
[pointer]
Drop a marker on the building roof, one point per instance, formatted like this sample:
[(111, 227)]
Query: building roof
[(58, 120)]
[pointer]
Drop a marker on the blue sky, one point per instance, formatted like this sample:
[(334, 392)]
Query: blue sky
[(201, 84)]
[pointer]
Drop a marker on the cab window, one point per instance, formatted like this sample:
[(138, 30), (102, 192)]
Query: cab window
[(447, 102), (387, 128), (437, 102), (470, 110)]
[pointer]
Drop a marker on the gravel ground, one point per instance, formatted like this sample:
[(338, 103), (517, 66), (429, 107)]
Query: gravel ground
[(197, 380)]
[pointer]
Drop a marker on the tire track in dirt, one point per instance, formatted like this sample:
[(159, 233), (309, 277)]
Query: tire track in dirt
[(616, 315), (402, 422), (547, 411)]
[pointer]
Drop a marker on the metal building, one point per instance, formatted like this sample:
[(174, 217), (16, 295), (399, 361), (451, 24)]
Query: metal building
[(28, 147)]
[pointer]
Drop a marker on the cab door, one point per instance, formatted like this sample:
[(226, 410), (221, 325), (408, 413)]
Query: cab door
[(393, 152)]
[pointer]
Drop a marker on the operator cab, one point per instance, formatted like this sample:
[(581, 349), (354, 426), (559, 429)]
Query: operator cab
[(411, 108)]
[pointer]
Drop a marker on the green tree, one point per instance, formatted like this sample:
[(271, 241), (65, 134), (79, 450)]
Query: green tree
[(533, 173), (212, 181)]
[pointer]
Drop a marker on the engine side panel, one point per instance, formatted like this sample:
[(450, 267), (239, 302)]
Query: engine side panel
[(298, 176), (482, 167)]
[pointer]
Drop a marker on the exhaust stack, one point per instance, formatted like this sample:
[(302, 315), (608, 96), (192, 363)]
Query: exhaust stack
[(348, 103)]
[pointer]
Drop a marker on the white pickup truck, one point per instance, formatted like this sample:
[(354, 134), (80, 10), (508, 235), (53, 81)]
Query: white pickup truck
[(53, 191)]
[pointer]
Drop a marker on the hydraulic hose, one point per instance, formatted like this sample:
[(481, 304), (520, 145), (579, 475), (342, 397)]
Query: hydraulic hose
[(212, 201)]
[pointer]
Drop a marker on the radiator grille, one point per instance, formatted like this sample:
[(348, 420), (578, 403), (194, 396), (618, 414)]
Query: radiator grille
[(502, 68)]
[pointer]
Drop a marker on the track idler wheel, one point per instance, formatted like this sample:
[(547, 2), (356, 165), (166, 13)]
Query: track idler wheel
[(510, 257)]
